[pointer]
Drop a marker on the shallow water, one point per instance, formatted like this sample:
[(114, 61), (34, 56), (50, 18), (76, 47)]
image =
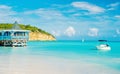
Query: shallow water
[(60, 57)]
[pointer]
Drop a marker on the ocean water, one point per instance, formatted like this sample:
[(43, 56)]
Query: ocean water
[(60, 57)]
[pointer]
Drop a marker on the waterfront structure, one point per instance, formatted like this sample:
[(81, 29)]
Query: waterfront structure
[(14, 37)]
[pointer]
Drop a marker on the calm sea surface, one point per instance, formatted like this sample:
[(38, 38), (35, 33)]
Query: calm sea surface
[(60, 57)]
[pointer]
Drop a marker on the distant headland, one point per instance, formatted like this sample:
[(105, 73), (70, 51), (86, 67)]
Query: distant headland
[(35, 33)]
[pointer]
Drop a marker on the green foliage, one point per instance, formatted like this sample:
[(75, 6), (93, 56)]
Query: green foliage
[(5, 26), (24, 27)]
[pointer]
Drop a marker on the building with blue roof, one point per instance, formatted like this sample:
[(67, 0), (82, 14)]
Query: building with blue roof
[(14, 37)]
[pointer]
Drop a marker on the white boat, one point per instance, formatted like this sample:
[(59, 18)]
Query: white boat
[(103, 45)]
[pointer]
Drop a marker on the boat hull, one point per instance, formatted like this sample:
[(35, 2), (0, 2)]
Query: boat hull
[(103, 48)]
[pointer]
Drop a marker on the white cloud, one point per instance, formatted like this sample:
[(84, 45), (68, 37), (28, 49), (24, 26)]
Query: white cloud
[(45, 13), (89, 7), (77, 14), (5, 7), (56, 33), (7, 14), (117, 16), (113, 6), (6, 10), (118, 31), (93, 32), (70, 31)]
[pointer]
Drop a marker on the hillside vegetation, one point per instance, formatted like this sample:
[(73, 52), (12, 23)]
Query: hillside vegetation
[(24, 27), (33, 29)]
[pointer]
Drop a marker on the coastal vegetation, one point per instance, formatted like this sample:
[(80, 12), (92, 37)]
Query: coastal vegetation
[(24, 27), (33, 31)]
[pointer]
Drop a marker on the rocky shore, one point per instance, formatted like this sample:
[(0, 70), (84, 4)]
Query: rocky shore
[(40, 37)]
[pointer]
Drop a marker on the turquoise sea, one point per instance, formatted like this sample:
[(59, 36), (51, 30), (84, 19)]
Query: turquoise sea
[(60, 57)]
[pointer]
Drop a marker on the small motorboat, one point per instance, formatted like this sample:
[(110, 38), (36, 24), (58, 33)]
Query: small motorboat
[(103, 45)]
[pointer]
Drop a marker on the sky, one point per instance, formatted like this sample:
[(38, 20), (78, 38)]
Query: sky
[(66, 19)]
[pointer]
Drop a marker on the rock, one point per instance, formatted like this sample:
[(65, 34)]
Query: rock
[(40, 36)]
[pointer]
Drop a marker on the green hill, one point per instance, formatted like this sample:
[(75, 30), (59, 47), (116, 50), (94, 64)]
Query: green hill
[(6, 26)]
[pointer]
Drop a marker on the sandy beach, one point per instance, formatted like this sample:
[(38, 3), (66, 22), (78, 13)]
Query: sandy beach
[(50, 65)]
